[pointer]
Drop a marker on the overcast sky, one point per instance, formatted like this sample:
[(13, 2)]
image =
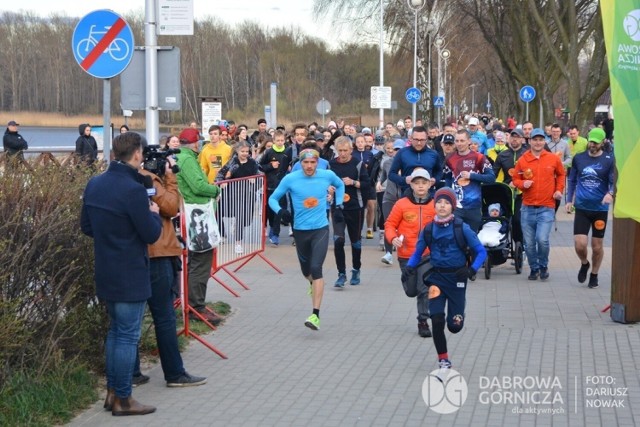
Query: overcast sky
[(272, 13)]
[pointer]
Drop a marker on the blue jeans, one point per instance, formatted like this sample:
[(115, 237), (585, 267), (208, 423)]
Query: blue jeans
[(536, 227), (122, 344), (164, 319)]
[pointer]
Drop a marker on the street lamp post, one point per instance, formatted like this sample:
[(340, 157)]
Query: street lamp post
[(445, 54), (415, 5), (381, 112)]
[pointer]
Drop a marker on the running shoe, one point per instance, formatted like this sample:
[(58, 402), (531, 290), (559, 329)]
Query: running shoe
[(582, 274), (355, 277), (445, 369), (423, 329), (340, 282), (534, 275), (369, 234), (593, 281), (387, 258), (313, 322), (274, 240)]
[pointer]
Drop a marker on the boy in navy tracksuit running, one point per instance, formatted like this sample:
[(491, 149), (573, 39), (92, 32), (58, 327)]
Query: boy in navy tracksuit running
[(447, 280)]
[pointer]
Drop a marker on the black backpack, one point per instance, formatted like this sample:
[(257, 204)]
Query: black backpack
[(458, 236)]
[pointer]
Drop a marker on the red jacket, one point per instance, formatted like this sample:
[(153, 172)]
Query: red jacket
[(547, 174), (408, 218)]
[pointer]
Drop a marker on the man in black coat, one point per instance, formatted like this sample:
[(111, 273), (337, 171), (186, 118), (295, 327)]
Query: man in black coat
[(117, 214), (86, 145), (14, 144)]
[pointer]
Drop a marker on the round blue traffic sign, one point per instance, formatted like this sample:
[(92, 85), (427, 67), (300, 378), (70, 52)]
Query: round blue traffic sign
[(527, 93), (102, 44), (413, 95)]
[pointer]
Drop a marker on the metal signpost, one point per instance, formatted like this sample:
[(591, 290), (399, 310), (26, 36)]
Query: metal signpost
[(527, 94), (323, 107), (102, 45)]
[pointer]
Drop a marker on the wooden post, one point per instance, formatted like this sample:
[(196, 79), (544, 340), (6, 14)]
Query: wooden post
[(625, 271)]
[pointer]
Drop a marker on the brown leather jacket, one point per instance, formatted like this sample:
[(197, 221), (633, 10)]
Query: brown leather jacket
[(168, 199)]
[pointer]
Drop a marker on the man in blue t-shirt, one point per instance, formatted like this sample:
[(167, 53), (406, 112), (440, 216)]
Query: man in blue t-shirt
[(590, 191), (308, 190)]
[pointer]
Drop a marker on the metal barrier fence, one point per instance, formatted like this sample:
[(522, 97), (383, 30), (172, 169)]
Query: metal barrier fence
[(240, 214)]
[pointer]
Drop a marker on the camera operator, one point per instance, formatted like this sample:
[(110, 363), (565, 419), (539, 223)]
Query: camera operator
[(164, 260)]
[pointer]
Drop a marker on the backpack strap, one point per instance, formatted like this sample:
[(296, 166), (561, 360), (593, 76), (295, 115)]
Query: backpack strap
[(460, 239)]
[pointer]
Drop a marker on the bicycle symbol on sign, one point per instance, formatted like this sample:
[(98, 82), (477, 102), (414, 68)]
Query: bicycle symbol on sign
[(413, 95), (118, 49)]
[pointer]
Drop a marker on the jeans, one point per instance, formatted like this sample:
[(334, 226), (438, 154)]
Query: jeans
[(122, 344), (471, 216), (536, 227), (164, 319)]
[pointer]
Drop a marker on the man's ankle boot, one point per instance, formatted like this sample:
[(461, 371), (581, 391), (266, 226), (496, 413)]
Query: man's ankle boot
[(108, 401), (130, 406)]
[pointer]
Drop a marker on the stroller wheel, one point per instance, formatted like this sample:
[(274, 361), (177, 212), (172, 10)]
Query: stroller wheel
[(518, 256), (487, 268)]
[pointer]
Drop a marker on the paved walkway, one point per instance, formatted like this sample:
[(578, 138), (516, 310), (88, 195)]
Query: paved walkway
[(366, 366)]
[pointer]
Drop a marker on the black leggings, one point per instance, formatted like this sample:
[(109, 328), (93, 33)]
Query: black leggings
[(353, 224), (311, 248)]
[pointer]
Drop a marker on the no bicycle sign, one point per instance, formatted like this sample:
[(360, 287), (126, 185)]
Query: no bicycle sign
[(103, 44)]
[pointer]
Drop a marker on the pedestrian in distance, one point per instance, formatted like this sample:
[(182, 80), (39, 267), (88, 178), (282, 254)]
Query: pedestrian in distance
[(13, 143), (308, 190), (449, 240), (86, 145), (590, 191)]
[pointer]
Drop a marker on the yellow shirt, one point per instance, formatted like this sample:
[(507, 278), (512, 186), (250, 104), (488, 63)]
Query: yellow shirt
[(212, 159)]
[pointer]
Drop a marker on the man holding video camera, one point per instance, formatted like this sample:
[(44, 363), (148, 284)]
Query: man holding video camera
[(164, 258)]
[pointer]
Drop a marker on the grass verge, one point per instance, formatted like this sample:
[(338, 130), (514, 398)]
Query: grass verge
[(51, 400)]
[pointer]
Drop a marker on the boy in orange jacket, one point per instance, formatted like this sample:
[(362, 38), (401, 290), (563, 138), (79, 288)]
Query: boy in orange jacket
[(408, 217)]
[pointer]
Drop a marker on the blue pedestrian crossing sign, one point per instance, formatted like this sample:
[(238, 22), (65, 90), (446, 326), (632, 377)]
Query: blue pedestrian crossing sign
[(438, 101), (527, 93), (413, 95), (102, 44)]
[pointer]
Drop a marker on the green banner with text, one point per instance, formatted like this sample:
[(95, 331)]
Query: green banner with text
[(621, 24)]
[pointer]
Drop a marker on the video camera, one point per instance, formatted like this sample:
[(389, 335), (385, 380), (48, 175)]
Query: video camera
[(155, 160)]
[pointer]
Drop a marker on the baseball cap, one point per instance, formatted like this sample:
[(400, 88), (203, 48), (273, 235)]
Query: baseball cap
[(518, 132), (399, 143), (420, 173), (597, 135), (13, 123), (448, 139), (318, 136), (473, 121), (189, 136), (537, 132)]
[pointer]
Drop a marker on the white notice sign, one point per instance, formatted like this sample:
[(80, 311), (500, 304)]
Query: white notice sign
[(175, 18), (381, 97), (211, 114)]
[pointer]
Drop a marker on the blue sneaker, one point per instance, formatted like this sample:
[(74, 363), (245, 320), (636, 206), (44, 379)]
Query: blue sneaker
[(342, 279), (274, 240), (355, 277)]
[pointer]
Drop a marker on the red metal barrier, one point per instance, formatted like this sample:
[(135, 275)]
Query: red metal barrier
[(241, 211)]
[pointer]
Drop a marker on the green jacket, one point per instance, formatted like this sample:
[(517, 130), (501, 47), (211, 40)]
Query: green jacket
[(579, 146), (192, 182)]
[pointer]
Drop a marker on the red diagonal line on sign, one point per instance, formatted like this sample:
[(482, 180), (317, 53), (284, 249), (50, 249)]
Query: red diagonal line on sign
[(103, 44)]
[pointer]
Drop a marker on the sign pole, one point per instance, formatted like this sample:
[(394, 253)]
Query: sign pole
[(527, 113), (106, 120), (151, 67)]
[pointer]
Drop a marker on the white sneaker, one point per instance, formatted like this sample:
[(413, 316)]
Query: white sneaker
[(239, 249), (445, 369), (290, 231), (387, 258)]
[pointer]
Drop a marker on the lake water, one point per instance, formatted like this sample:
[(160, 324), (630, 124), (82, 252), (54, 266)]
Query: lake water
[(38, 137)]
